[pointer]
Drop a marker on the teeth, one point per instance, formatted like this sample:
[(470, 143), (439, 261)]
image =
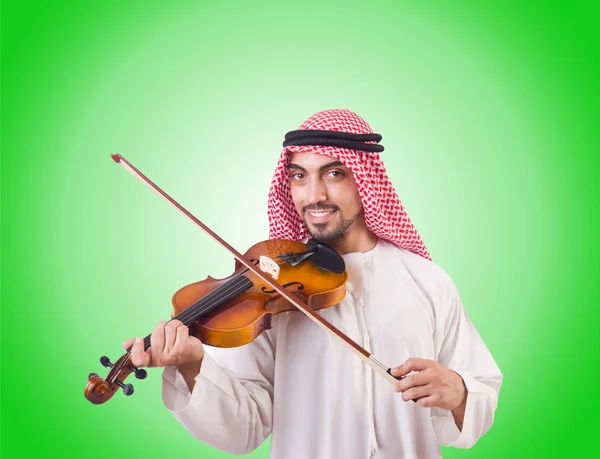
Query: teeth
[(319, 214)]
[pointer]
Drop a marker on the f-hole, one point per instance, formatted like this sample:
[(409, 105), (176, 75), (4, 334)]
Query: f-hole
[(300, 287)]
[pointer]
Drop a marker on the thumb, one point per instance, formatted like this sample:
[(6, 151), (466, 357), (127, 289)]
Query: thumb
[(411, 364)]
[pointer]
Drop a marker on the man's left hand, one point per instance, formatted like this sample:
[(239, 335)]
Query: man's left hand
[(433, 384)]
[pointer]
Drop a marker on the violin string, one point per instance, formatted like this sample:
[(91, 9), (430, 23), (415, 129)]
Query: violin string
[(201, 306), (205, 304), (193, 309), (197, 309)]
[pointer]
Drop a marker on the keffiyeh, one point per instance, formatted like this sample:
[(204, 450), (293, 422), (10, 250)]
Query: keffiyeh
[(384, 214)]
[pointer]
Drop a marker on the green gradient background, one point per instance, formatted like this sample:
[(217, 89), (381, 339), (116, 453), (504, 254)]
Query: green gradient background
[(489, 116)]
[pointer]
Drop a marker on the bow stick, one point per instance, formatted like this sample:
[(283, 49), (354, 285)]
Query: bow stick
[(362, 353)]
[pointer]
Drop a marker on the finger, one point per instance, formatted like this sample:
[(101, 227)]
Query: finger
[(412, 364), (428, 402), (181, 339), (127, 344), (157, 342), (417, 392), (171, 335), (139, 358), (413, 380)]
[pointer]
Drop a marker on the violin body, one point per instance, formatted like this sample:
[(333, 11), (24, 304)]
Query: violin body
[(241, 319)]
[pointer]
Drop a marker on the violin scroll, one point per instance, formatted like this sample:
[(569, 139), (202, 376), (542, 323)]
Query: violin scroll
[(100, 390)]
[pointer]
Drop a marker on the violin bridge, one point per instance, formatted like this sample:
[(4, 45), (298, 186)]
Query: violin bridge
[(269, 266)]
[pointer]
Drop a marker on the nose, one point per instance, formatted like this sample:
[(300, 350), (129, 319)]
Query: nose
[(317, 191)]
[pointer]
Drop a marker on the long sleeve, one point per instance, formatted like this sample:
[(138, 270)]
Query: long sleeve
[(460, 348), (231, 405)]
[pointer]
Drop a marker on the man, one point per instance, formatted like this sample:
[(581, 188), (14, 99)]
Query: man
[(300, 384)]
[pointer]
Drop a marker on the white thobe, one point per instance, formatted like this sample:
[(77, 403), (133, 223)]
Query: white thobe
[(319, 400)]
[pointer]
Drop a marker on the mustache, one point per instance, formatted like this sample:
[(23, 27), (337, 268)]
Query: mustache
[(318, 207)]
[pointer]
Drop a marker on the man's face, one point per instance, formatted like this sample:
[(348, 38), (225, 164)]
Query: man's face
[(324, 194)]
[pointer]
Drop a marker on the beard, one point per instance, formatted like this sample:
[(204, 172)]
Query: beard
[(321, 232)]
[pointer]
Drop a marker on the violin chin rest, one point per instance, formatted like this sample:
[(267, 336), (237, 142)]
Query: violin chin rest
[(325, 257)]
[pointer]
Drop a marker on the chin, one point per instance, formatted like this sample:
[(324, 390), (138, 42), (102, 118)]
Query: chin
[(323, 234)]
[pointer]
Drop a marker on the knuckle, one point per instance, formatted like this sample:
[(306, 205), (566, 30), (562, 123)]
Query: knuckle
[(172, 325)]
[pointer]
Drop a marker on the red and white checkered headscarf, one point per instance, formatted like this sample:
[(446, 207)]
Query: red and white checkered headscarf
[(384, 213)]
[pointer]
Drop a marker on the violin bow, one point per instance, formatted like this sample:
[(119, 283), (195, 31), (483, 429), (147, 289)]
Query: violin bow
[(359, 351)]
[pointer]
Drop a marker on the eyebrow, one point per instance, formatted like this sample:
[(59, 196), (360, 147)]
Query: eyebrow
[(321, 169)]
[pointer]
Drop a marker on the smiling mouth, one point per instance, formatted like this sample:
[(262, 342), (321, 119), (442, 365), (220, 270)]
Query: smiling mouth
[(320, 213), (319, 216)]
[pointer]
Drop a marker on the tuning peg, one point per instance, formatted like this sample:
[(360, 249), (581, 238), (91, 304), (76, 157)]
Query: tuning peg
[(105, 361), (91, 375), (127, 388), (139, 373)]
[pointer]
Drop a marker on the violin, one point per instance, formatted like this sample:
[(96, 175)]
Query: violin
[(273, 276), (233, 311)]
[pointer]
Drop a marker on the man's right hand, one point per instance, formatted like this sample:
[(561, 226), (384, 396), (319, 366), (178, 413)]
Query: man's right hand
[(170, 344)]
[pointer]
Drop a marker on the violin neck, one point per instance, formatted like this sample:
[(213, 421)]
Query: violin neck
[(205, 305)]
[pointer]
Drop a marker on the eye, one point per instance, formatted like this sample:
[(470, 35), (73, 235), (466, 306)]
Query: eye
[(336, 174), (297, 175)]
